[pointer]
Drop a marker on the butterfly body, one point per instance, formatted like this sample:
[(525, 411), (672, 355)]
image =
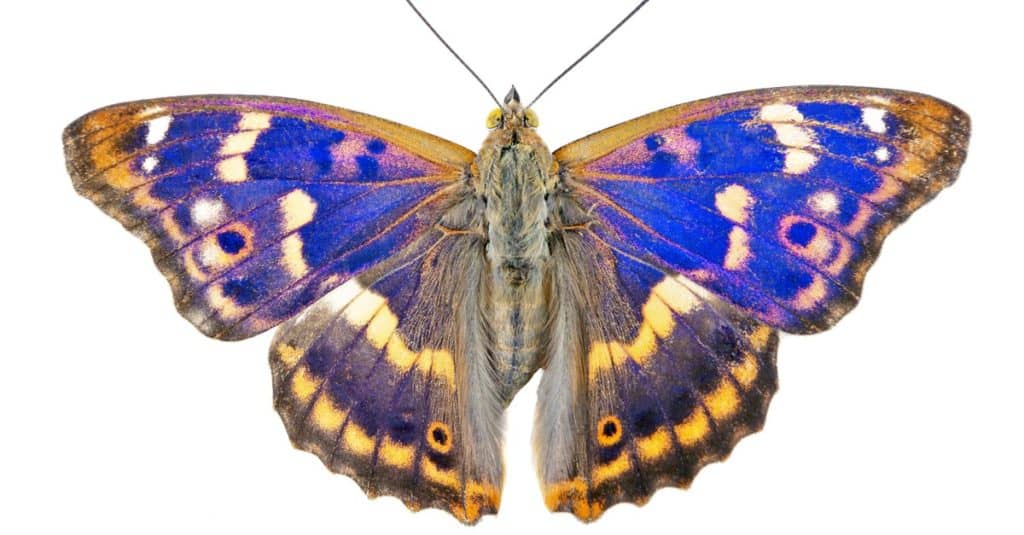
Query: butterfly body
[(646, 269), (515, 171)]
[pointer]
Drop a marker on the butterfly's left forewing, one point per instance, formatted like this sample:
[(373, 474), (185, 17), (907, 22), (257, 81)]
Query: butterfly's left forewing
[(254, 207), (776, 199)]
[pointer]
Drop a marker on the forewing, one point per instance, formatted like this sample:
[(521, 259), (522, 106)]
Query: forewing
[(385, 380), (649, 377), (254, 207), (776, 199)]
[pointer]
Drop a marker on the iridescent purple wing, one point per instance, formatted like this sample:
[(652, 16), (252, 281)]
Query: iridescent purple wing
[(776, 199), (254, 207)]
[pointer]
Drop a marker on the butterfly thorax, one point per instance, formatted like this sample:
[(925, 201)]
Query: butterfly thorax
[(514, 168)]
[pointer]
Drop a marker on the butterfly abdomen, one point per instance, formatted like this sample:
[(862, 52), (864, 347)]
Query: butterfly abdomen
[(513, 178)]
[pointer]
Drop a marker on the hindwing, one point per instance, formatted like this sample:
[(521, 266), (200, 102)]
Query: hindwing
[(386, 379), (649, 378)]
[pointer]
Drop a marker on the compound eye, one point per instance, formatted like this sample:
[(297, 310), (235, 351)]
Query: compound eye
[(531, 118), (494, 118)]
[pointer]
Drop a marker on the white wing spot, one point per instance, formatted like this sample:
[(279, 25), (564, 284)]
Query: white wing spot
[(882, 154), (207, 212), (233, 169), (297, 209), (364, 307), (157, 129), (798, 161), (780, 113), (254, 121), (239, 142), (739, 249), (149, 164), (338, 298), (874, 119), (824, 202), (734, 203), (795, 138), (210, 254), (792, 136), (291, 255)]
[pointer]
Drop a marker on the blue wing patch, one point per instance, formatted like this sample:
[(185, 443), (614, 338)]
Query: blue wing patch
[(777, 200), (254, 207)]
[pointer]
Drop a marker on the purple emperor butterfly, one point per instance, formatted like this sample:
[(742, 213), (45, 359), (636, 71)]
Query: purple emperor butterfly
[(647, 269)]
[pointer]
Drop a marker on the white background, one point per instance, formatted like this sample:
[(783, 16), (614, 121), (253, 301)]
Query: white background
[(119, 417)]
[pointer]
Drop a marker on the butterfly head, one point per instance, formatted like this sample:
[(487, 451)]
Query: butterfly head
[(512, 114)]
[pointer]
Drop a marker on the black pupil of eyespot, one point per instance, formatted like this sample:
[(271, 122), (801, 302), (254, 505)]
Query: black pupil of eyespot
[(440, 437), (609, 429)]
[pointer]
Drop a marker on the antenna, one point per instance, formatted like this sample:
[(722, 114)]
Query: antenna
[(587, 53), (446, 45)]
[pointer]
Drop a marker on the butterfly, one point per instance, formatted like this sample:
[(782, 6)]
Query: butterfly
[(647, 269)]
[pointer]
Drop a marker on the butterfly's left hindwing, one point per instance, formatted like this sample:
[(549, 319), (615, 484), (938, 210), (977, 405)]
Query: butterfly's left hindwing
[(649, 377), (254, 207), (776, 199)]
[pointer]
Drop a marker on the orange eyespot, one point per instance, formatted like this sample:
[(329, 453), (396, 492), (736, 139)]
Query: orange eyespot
[(609, 431), (439, 436)]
